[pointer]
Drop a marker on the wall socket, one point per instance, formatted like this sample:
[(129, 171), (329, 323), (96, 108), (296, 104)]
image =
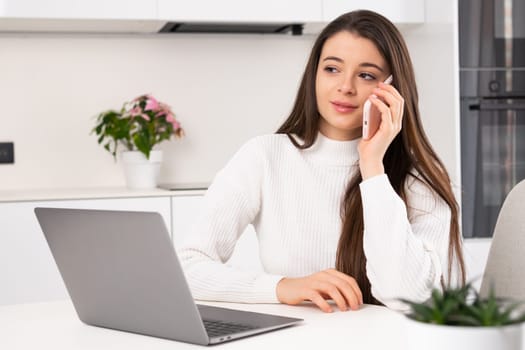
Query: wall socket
[(7, 152)]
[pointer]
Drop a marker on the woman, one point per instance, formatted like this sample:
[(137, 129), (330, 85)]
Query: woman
[(337, 217)]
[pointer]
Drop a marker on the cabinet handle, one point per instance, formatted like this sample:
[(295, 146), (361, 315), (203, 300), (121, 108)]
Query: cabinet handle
[(497, 107)]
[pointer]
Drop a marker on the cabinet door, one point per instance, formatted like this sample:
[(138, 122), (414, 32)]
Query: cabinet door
[(398, 11), (185, 212), (27, 269), (79, 9), (272, 11)]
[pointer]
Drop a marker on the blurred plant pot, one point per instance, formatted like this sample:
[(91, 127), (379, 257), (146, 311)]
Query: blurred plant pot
[(429, 336), (140, 172)]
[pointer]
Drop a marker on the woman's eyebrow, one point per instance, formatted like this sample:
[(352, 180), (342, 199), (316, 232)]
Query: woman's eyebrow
[(364, 64), (373, 65), (333, 58)]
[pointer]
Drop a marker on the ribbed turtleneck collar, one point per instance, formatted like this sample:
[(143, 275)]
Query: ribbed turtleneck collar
[(333, 152)]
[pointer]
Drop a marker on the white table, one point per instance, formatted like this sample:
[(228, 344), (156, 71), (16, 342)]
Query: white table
[(56, 326)]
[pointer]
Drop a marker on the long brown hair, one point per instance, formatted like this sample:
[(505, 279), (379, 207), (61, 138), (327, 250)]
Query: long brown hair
[(409, 151)]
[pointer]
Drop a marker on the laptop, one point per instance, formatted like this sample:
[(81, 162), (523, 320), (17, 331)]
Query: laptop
[(121, 271)]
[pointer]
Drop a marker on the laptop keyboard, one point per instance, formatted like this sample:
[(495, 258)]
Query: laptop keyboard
[(218, 328)]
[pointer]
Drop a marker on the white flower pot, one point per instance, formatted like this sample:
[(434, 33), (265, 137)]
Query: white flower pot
[(141, 173), (428, 336)]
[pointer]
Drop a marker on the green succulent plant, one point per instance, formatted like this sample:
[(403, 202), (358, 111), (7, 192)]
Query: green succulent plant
[(463, 306)]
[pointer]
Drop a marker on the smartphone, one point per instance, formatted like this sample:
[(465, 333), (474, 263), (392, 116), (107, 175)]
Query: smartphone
[(372, 116)]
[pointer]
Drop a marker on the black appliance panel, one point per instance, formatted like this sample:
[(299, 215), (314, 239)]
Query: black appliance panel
[(488, 38), (492, 107)]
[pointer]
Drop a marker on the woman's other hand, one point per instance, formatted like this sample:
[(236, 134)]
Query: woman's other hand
[(371, 152), (319, 287)]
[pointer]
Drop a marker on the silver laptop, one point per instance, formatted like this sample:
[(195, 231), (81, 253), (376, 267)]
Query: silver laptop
[(122, 272)]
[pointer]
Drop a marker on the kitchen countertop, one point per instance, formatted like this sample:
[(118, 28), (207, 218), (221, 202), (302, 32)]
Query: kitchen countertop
[(49, 194)]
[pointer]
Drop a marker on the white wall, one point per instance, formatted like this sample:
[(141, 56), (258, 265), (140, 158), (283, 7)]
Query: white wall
[(433, 47), (224, 89)]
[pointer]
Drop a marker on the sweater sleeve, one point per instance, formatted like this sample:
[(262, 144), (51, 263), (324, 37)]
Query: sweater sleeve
[(230, 204), (406, 246)]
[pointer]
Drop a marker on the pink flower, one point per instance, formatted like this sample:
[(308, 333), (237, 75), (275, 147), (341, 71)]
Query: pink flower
[(171, 118), (163, 110), (161, 113), (151, 103), (136, 111)]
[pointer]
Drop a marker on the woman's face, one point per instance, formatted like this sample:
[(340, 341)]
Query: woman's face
[(349, 68)]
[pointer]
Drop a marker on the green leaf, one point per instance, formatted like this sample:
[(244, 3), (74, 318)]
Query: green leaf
[(141, 142), (464, 320), (449, 306), (423, 313), (473, 311)]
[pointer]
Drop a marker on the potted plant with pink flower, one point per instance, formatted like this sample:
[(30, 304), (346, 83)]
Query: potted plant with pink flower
[(139, 126)]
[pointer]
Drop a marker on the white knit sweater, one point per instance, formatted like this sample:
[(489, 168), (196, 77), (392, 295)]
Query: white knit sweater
[(293, 199)]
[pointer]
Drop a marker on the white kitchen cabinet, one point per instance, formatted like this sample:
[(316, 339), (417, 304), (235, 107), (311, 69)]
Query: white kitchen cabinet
[(271, 11), (79, 9), (398, 11), (185, 212), (151, 15), (27, 270), (79, 16)]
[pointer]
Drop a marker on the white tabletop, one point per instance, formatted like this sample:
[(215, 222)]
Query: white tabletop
[(56, 326)]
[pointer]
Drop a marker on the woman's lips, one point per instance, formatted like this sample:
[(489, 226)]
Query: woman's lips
[(343, 107)]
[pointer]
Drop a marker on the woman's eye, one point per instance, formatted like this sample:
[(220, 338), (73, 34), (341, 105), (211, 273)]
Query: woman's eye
[(331, 69), (367, 76)]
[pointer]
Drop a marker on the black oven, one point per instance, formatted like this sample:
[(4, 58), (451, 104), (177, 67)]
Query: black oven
[(492, 114)]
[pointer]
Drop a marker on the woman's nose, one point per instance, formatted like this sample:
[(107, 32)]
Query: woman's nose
[(346, 87)]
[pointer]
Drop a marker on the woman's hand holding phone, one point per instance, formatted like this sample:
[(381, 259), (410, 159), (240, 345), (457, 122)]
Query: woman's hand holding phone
[(390, 104), (372, 116)]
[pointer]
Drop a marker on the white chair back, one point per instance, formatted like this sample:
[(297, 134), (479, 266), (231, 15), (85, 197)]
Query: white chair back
[(505, 269)]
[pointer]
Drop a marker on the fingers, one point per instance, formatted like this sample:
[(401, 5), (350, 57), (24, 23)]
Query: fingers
[(391, 89), (386, 115), (327, 284), (332, 289), (294, 291), (321, 303), (345, 290), (351, 282), (394, 101), (390, 120)]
